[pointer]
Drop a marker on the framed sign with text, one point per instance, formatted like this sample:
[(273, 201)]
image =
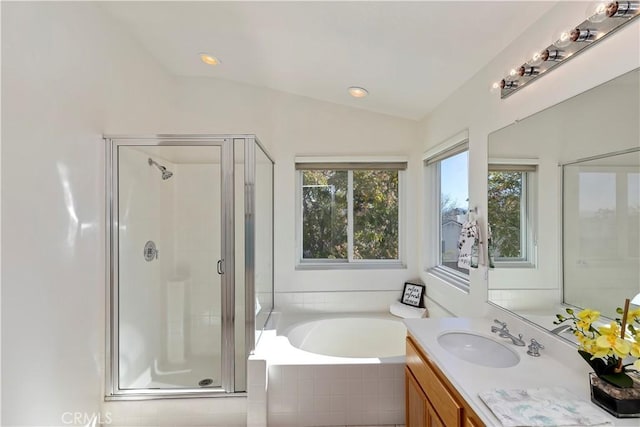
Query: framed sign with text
[(412, 294)]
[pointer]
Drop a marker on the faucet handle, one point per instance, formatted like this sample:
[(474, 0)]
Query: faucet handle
[(534, 348)]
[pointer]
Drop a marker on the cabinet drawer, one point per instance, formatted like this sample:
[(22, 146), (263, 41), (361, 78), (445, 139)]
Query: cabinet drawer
[(449, 410)]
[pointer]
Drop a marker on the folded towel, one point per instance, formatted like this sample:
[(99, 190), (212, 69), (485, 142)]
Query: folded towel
[(542, 407), (406, 312), (469, 245)]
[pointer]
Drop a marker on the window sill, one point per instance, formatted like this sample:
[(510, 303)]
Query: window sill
[(513, 264), (449, 277), (393, 265)]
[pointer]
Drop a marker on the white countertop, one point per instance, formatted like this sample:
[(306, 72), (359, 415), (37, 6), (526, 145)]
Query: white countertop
[(531, 372)]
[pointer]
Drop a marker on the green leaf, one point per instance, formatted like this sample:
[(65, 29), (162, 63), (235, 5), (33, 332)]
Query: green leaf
[(570, 310), (621, 380), (598, 365), (619, 310)]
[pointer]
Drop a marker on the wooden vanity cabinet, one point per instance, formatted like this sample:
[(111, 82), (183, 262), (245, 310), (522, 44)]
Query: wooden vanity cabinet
[(431, 400)]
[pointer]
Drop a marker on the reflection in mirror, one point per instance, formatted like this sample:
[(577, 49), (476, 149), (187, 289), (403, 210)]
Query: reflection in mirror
[(563, 205), (601, 231)]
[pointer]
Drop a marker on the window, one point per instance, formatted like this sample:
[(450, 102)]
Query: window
[(449, 173), (349, 213), (510, 205)]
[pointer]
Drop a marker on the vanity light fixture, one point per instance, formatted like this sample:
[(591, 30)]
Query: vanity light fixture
[(209, 59), (528, 71), (603, 19), (358, 92)]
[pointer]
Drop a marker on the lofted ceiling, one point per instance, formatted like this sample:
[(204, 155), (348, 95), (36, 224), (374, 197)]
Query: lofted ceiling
[(410, 55)]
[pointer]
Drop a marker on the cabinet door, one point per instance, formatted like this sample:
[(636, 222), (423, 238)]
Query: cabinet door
[(416, 402), (433, 420)]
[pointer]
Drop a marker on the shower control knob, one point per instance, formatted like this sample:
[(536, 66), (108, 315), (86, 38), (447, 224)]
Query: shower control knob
[(150, 251)]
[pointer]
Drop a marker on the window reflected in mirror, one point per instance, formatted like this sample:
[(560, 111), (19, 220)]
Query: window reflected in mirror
[(511, 214)]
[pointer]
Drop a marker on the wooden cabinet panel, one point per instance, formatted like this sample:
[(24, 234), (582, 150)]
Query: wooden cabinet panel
[(431, 399), (419, 412), (449, 409), (472, 422), (433, 420), (416, 402)]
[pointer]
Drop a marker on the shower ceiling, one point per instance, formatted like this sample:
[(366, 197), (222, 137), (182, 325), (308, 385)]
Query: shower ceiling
[(409, 55)]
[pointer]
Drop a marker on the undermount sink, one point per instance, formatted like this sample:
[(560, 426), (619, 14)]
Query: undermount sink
[(478, 349)]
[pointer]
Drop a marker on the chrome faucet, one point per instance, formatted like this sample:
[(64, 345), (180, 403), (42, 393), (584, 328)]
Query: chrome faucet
[(534, 348), (503, 326), (515, 340), (560, 329), (503, 332)]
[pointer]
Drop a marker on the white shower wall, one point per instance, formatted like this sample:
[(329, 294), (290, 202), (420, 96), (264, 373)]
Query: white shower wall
[(170, 308), (197, 249), (145, 213)]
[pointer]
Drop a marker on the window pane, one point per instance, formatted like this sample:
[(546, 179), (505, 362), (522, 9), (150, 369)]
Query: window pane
[(375, 214), (324, 214), (598, 216), (454, 196), (505, 199), (633, 220)]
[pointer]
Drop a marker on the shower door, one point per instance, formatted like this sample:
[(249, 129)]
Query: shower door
[(172, 271)]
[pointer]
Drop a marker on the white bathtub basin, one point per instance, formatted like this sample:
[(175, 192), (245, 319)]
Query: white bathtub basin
[(478, 349), (359, 337)]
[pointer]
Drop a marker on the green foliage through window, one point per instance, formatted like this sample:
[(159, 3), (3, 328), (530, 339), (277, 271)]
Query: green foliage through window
[(325, 214), (375, 214), (505, 198)]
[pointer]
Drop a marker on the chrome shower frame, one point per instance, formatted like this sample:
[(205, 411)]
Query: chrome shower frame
[(226, 143)]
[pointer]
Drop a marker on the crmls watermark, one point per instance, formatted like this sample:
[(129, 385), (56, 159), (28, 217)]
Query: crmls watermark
[(86, 419)]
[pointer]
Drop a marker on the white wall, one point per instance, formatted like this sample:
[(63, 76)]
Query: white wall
[(291, 126), (474, 108), (68, 75)]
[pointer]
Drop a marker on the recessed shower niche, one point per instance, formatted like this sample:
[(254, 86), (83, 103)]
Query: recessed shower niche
[(190, 262)]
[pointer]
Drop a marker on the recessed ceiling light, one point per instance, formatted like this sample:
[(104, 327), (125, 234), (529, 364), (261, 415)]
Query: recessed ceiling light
[(358, 92), (209, 59)]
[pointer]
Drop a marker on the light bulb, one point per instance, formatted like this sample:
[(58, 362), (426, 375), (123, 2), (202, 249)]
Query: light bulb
[(555, 55), (513, 72), (495, 87), (622, 9), (597, 12), (578, 35), (536, 59), (563, 38), (528, 71)]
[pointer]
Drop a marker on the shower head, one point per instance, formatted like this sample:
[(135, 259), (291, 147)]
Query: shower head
[(166, 174)]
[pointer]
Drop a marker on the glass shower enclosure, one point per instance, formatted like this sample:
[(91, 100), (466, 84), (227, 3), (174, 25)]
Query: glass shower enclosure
[(190, 262)]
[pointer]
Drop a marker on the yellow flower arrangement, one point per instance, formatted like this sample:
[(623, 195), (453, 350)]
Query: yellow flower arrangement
[(606, 347)]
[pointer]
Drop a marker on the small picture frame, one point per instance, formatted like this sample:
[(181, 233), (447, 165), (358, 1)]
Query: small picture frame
[(412, 294)]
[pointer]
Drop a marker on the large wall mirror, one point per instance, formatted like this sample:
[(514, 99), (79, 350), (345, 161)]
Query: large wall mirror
[(564, 205)]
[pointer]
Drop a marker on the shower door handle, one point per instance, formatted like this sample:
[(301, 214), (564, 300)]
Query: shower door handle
[(219, 266)]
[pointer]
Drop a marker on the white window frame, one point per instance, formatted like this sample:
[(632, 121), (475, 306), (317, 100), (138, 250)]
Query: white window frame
[(528, 211), (457, 144), (330, 163)]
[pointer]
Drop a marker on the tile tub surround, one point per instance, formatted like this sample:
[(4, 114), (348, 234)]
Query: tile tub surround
[(552, 369), (299, 388)]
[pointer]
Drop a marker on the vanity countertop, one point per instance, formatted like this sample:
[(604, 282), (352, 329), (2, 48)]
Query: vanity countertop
[(531, 372)]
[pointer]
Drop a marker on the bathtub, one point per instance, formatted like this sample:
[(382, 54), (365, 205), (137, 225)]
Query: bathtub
[(357, 337), (334, 370)]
